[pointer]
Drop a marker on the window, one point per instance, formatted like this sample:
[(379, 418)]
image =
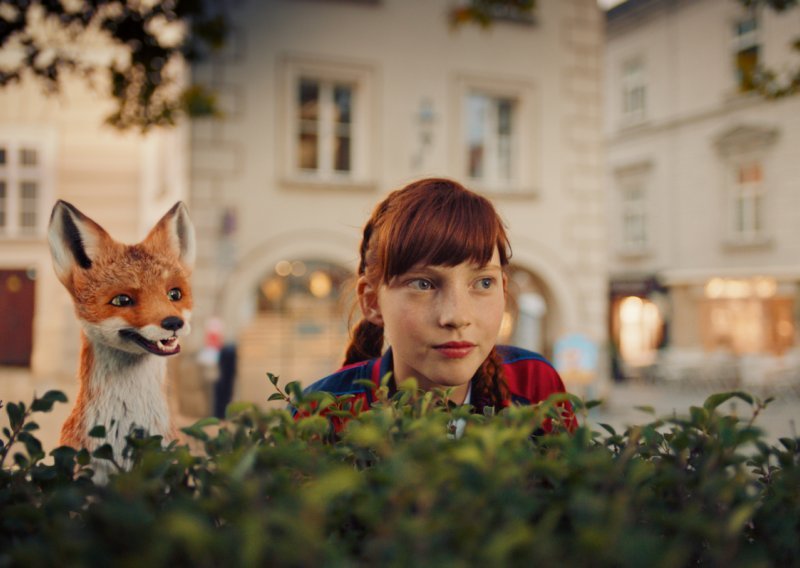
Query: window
[(329, 129), (746, 52), (634, 91), (24, 177), (747, 199), (490, 139), (631, 203), (325, 126), (634, 219), (495, 123)]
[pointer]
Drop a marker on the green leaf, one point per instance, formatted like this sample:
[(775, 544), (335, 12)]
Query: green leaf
[(238, 407), (608, 428), (45, 404), (273, 378), (104, 452), (276, 396), (98, 431), (245, 464), (647, 409), (207, 421), (715, 400), (16, 415)]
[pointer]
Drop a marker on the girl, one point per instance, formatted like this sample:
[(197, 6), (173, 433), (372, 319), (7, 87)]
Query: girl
[(432, 284)]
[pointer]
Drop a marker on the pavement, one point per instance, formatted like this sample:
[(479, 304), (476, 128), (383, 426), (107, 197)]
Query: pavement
[(780, 419)]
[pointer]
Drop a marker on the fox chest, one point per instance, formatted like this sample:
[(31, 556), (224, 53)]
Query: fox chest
[(129, 402)]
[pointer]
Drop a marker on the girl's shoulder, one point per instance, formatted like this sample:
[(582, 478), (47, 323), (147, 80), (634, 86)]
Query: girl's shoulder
[(345, 380), (511, 354), (530, 376)]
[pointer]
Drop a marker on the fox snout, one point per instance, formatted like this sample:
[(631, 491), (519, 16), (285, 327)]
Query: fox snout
[(172, 323)]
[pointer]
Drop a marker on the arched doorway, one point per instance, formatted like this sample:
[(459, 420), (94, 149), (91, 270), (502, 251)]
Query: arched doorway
[(299, 329), (530, 312)]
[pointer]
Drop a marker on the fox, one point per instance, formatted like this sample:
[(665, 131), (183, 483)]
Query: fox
[(134, 305)]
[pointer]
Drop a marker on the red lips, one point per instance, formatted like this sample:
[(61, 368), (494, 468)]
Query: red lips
[(455, 349)]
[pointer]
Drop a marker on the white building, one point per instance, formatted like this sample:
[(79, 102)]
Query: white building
[(329, 105), (704, 192), (58, 147)]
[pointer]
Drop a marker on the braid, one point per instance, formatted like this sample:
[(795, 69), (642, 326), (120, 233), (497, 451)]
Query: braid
[(489, 386), (366, 343)]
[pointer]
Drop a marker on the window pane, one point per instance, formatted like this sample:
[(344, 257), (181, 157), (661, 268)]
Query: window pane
[(28, 204), (505, 109), (746, 64), (2, 204), (307, 156), (343, 103), (309, 99), (342, 154), (308, 106), (2, 156), (28, 157), (476, 108)]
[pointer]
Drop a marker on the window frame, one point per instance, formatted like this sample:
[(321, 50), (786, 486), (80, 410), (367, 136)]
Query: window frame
[(630, 85), (743, 42), (363, 135), (753, 193), (15, 175), (627, 179), (525, 134)]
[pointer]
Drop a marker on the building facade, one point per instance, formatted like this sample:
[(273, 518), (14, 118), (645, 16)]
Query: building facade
[(54, 147), (703, 177), (329, 105)]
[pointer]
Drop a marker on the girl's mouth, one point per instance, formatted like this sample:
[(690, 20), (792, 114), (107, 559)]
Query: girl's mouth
[(455, 349)]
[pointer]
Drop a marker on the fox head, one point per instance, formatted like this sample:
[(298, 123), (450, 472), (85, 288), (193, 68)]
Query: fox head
[(134, 298)]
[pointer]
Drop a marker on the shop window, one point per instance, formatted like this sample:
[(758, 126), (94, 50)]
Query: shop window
[(300, 330), (638, 327), (747, 316)]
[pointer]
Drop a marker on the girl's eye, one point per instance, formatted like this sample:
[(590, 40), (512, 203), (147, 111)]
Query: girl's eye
[(421, 284), (484, 283), (175, 294), (121, 301)]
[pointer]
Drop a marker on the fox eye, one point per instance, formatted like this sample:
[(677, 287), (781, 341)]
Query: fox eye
[(122, 301), (175, 294)]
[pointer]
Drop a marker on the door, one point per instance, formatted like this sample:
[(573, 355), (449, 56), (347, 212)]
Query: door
[(16, 317)]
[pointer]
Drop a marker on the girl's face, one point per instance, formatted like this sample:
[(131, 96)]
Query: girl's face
[(441, 322)]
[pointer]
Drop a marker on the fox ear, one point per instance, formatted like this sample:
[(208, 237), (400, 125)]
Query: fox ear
[(175, 232), (75, 240)]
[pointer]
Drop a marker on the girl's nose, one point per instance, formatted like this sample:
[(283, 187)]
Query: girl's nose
[(454, 309)]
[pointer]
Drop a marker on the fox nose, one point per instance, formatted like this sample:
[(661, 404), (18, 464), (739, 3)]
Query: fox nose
[(172, 323)]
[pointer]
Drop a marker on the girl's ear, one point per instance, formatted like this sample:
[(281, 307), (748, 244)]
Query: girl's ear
[(368, 300)]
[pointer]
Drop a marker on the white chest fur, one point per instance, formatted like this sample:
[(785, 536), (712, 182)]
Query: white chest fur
[(126, 394)]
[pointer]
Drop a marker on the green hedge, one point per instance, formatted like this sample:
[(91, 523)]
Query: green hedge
[(396, 488)]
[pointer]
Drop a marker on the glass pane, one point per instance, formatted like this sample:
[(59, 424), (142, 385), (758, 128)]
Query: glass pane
[(28, 157), (28, 199), (343, 104), (308, 99), (746, 65), (2, 204), (504, 111), (476, 108), (307, 152), (342, 154)]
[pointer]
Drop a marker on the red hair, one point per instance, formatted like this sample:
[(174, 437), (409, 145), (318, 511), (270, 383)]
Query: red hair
[(435, 222)]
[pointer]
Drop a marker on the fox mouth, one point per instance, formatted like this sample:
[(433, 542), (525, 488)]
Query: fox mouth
[(162, 347)]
